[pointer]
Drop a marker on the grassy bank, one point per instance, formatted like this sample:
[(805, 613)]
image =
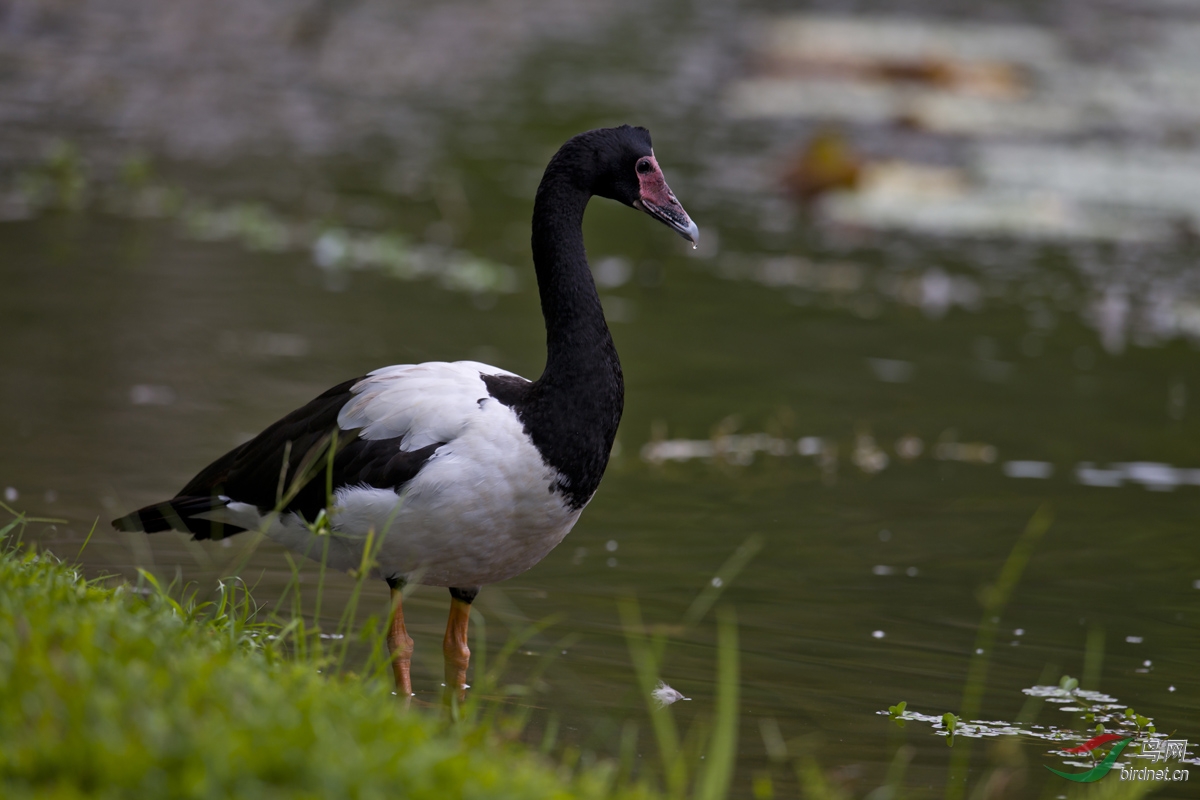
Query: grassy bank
[(111, 690), (108, 691)]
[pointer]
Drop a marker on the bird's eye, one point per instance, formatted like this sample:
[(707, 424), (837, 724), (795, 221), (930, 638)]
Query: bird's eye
[(644, 166)]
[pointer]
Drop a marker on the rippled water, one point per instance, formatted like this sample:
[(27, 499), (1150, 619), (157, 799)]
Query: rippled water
[(884, 410)]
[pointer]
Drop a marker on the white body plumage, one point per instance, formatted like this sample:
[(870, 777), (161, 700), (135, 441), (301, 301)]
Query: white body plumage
[(481, 509)]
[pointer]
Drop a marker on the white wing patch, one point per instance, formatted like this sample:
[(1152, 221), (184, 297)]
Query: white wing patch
[(419, 403)]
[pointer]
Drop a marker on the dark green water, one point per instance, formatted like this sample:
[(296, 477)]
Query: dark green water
[(222, 339)]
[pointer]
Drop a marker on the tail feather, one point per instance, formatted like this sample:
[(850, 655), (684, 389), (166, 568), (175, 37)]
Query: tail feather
[(179, 514)]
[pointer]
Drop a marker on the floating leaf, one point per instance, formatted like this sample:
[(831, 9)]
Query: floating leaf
[(950, 720)]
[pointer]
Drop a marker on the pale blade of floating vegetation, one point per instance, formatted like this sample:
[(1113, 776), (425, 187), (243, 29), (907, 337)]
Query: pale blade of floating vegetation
[(717, 775), (994, 599), (646, 654), (724, 577)]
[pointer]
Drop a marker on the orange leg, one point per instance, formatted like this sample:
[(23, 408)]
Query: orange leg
[(454, 646), (401, 646)]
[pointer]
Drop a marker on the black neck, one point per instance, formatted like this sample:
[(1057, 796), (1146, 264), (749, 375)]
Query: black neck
[(571, 413), (579, 348)]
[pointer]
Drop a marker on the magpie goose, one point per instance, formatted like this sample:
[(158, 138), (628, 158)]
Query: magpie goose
[(462, 474)]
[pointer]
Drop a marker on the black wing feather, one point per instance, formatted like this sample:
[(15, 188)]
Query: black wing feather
[(250, 473)]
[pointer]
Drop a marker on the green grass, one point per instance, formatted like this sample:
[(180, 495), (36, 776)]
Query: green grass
[(121, 691)]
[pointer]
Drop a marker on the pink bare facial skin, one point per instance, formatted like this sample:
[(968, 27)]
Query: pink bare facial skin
[(659, 201), (654, 186)]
